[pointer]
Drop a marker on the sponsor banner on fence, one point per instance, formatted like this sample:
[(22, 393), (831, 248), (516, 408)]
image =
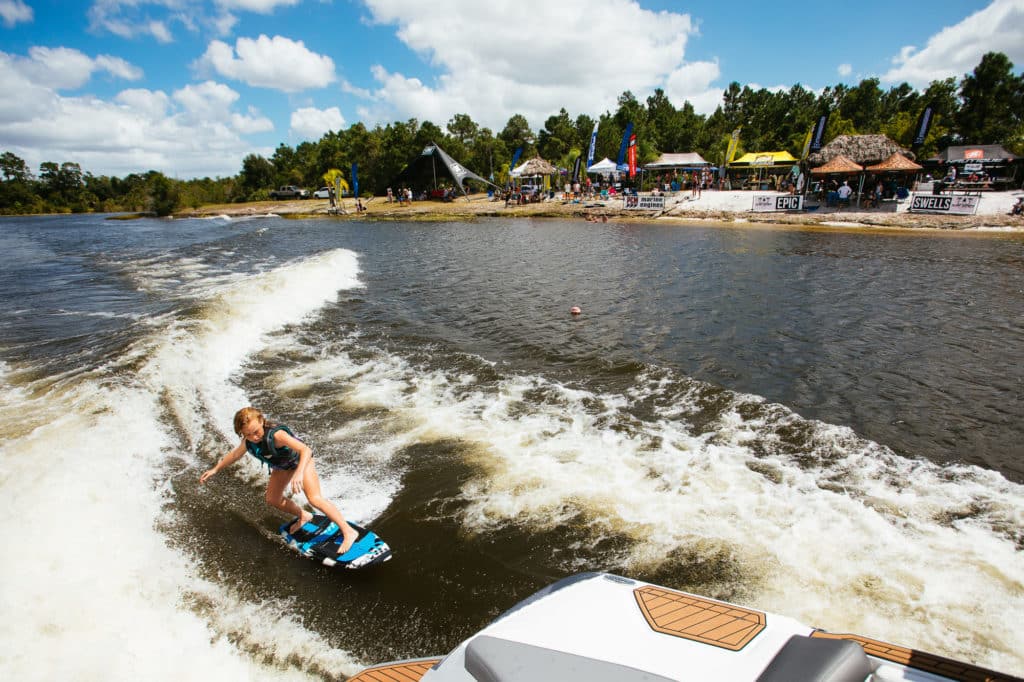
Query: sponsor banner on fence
[(645, 203), (960, 204), (764, 203)]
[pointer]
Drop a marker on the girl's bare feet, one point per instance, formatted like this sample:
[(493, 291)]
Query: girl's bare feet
[(304, 518), (350, 539)]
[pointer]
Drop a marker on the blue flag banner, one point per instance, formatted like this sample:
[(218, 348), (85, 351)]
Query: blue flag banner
[(818, 133), (924, 123), (593, 146), (515, 158), (355, 181), (621, 162)]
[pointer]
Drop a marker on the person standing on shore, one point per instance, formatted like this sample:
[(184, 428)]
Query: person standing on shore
[(291, 469), (844, 193)]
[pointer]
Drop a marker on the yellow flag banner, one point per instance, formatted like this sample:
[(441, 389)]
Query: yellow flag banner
[(733, 142)]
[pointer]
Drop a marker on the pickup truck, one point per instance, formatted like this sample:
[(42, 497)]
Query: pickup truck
[(289, 192)]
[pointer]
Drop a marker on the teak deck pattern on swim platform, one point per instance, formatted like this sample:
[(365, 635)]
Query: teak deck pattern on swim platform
[(920, 660), (396, 672), (701, 620)]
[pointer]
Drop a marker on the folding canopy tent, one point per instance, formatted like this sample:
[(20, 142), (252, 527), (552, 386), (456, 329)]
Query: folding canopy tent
[(993, 159), (897, 163), (759, 162), (603, 167), (687, 161), (840, 164), (979, 153), (765, 160)]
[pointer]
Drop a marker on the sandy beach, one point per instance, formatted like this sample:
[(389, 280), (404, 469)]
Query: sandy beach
[(993, 212)]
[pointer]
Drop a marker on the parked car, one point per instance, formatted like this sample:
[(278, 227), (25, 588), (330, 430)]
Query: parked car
[(322, 193), (289, 192)]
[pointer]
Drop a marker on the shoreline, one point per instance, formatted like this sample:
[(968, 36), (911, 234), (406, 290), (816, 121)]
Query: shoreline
[(722, 207)]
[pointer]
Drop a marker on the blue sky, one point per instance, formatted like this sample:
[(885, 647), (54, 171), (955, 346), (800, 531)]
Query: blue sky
[(190, 87)]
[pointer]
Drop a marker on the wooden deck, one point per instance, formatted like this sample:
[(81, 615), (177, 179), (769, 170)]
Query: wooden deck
[(956, 670), (409, 671), (701, 620)]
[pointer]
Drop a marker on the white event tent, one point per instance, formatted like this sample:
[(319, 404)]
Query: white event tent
[(605, 167)]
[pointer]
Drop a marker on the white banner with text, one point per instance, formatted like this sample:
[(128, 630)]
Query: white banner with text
[(644, 203), (765, 203), (960, 204)]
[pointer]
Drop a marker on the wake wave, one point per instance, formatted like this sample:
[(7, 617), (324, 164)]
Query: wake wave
[(812, 520), (88, 453)]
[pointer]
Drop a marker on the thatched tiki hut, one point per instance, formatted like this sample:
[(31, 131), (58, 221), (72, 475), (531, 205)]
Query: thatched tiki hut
[(865, 150), (532, 168), (877, 153)]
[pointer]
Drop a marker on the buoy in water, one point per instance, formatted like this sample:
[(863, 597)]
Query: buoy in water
[(575, 310)]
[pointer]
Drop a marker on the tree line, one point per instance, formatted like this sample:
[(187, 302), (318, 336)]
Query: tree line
[(986, 106)]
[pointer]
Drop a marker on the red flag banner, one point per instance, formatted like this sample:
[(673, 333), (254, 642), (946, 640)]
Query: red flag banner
[(632, 155)]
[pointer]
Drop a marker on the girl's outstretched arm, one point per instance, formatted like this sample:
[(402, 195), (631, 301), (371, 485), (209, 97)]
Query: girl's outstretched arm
[(226, 460)]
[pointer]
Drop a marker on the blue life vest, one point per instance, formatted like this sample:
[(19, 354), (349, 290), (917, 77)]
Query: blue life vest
[(275, 457)]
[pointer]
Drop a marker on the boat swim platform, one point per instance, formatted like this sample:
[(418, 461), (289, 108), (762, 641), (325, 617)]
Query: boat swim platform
[(726, 626), (920, 660), (405, 671)]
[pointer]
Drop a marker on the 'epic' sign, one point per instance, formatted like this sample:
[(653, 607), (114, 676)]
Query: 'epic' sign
[(765, 203)]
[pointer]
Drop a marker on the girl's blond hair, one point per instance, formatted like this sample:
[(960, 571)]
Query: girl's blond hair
[(245, 415)]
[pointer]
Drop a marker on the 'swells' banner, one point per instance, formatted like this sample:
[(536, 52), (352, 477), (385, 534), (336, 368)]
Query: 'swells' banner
[(766, 203), (959, 204), (644, 203), (632, 155)]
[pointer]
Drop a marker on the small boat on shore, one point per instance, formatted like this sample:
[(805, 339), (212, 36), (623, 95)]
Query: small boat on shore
[(601, 627)]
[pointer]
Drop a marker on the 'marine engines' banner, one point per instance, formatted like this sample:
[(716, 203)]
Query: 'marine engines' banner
[(945, 203), (644, 202), (766, 203)]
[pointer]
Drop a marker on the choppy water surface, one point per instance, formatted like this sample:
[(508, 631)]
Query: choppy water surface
[(823, 424)]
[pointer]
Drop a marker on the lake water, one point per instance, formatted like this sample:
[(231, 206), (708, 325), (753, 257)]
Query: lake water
[(824, 424)]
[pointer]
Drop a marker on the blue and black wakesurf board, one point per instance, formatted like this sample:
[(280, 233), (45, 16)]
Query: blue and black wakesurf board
[(319, 538)]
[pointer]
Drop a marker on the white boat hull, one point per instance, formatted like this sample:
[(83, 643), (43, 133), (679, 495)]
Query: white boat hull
[(605, 628)]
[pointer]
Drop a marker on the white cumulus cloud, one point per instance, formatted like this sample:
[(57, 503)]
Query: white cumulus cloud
[(490, 71), (259, 6), (134, 18), (67, 68), (692, 82), (311, 123), (193, 132), (956, 50), (14, 11), (151, 104), (160, 31), (278, 63), (844, 70)]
